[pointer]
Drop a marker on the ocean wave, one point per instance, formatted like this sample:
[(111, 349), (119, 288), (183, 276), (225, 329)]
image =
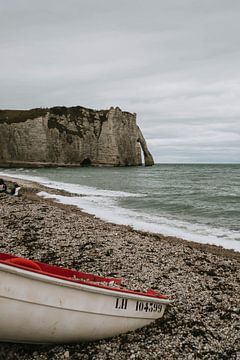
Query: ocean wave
[(72, 188), (157, 213), (108, 210)]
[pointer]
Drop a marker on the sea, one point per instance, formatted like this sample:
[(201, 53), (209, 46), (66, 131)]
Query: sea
[(196, 202)]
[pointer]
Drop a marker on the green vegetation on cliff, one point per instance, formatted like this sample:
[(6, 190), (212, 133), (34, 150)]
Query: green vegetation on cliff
[(74, 113), (18, 116)]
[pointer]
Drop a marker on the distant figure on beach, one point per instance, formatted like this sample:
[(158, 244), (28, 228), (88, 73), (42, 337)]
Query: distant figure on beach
[(15, 189), (3, 186)]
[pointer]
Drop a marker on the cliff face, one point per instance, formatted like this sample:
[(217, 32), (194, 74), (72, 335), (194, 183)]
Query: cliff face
[(73, 136)]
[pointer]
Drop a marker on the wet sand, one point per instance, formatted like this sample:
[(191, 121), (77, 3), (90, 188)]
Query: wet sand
[(202, 323)]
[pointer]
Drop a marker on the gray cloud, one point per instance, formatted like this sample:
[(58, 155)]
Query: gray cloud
[(175, 63)]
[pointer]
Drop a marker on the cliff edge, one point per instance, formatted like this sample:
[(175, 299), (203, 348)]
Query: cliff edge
[(74, 136)]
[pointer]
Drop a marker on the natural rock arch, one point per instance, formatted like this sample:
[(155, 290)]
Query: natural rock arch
[(74, 136), (148, 159)]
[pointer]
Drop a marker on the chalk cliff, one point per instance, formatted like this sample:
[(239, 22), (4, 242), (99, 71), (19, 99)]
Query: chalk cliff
[(74, 136)]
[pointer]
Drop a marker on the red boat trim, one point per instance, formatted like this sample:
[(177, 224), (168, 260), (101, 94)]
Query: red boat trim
[(24, 262), (72, 275)]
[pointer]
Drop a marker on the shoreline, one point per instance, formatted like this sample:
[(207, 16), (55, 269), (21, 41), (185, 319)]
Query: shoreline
[(29, 184), (36, 187), (203, 321)]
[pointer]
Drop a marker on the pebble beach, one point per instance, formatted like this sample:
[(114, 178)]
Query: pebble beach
[(203, 321)]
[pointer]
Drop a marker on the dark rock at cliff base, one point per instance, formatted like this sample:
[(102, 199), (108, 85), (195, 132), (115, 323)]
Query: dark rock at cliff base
[(74, 136)]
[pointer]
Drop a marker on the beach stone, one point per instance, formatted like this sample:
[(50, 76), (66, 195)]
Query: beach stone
[(66, 355), (202, 322)]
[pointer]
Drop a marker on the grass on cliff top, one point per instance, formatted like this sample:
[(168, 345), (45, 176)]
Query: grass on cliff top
[(17, 116), (76, 112)]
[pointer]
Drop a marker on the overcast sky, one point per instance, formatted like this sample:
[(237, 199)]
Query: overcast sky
[(176, 63)]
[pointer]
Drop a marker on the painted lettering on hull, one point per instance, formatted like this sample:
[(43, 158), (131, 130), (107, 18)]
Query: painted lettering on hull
[(148, 306), (121, 304)]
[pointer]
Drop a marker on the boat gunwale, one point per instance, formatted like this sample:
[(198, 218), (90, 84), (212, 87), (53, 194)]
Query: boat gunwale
[(80, 285), (56, 270)]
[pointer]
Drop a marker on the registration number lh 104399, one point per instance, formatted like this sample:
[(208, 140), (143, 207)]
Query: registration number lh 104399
[(148, 306)]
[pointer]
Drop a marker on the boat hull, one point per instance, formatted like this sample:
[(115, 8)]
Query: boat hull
[(36, 308)]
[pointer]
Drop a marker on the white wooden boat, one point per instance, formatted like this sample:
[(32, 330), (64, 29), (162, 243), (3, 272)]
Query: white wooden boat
[(41, 303)]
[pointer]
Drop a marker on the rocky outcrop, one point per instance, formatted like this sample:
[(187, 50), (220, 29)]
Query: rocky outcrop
[(73, 136)]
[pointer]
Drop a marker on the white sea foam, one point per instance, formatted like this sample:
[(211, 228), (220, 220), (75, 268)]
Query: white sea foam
[(71, 188), (108, 210), (105, 205)]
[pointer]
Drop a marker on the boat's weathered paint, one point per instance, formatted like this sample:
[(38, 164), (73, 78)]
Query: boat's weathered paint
[(38, 308)]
